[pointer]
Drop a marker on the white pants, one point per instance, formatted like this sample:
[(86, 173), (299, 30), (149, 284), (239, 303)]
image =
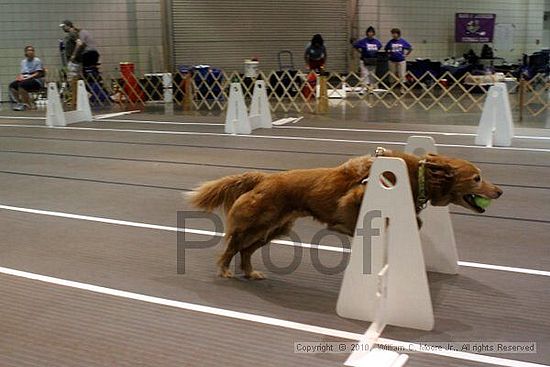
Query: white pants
[(399, 69), (368, 73)]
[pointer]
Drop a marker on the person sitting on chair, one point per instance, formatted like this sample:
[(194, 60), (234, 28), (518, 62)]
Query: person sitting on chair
[(31, 79)]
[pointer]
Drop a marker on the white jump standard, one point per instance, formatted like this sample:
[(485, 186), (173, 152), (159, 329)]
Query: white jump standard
[(496, 125), (56, 117), (387, 234), (238, 120)]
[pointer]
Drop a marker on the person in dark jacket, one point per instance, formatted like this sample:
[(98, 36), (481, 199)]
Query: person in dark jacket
[(316, 54)]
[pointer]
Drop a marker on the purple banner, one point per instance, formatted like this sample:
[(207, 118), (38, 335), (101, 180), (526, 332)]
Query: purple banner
[(474, 28)]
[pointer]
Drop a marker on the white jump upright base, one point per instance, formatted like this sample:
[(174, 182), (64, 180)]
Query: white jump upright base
[(437, 234), (496, 125), (55, 116), (260, 114), (387, 234), (238, 120), (367, 355)]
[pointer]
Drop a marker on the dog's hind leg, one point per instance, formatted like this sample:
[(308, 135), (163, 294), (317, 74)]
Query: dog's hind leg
[(246, 253), (225, 260), (235, 242), (246, 261)]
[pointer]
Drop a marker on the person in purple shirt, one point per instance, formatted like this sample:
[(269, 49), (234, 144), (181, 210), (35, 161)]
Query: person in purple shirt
[(398, 49), (368, 47)]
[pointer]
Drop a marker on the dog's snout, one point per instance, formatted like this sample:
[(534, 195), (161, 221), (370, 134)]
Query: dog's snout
[(499, 192)]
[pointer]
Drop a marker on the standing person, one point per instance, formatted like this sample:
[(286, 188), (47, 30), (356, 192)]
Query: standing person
[(31, 79), (398, 50), (69, 48), (316, 54), (82, 58), (368, 47), (80, 47)]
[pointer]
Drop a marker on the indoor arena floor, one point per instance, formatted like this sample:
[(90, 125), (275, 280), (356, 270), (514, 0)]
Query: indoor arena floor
[(88, 256)]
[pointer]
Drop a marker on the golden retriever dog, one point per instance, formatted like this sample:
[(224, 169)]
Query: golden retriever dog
[(261, 207)]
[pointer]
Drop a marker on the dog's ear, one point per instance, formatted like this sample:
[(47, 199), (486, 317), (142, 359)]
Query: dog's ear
[(440, 179)]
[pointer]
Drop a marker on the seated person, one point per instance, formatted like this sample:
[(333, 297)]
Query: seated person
[(31, 79)]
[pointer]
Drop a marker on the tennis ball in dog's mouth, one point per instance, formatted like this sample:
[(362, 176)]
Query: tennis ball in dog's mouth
[(482, 202)]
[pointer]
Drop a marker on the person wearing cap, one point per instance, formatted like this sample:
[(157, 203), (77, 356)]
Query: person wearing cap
[(398, 50), (80, 47), (368, 47), (30, 79)]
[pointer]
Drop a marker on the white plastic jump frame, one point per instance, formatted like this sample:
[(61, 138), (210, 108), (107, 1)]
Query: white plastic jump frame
[(437, 234), (56, 117), (387, 234), (496, 126), (385, 281), (238, 120)]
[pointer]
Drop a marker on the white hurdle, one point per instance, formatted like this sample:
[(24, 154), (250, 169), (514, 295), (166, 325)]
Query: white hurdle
[(393, 242), (385, 281), (55, 116), (437, 235), (496, 125), (238, 120)]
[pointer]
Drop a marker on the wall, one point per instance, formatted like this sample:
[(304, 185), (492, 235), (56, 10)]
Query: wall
[(429, 24), (546, 25), (125, 30)]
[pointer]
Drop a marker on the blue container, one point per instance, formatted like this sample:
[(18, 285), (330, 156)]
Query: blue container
[(208, 81)]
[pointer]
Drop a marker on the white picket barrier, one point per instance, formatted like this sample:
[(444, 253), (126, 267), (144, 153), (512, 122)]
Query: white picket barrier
[(395, 242), (237, 119), (496, 124), (437, 235), (55, 116)]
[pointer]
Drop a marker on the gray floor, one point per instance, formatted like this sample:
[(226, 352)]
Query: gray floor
[(99, 169)]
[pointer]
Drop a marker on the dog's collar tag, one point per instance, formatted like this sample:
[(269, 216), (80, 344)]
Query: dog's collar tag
[(422, 199)]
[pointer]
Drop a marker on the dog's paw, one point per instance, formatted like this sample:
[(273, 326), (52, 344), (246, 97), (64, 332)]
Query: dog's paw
[(255, 275), (226, 273)]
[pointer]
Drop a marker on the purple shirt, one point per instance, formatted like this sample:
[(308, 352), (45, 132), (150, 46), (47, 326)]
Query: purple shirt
[(397, 48), (369, 47)]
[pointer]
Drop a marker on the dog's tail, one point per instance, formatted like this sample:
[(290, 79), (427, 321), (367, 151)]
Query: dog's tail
[(225, 191)]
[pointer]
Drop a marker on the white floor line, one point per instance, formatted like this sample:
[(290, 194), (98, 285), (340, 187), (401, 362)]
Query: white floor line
[(273, 137), (385, 131), (504, 268), (219, 234), (22, 118), (165, 122), (265, 320), (115, 114), (107, 117)]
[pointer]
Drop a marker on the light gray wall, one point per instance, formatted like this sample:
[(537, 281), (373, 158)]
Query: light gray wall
[(125, 30), (546, 26), (429, 24)]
